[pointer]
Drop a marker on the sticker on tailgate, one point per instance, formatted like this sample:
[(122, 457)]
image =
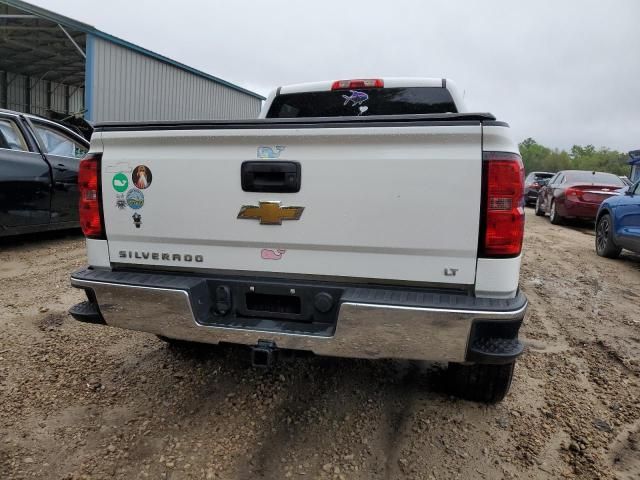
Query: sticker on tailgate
[(120, 182), (135, 199), (142, 177)]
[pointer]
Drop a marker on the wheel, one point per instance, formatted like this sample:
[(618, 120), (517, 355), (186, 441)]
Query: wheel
[(555, 218), (480, 383), (604, 238), (539, 210)]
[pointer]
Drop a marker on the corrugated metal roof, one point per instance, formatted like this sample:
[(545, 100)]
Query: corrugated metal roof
[(83, 27)]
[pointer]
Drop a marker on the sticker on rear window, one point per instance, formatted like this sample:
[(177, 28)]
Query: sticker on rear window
[(356, 98)]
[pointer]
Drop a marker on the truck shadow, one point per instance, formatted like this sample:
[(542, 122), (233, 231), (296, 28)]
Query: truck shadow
[(631, 257), (34, 239), (583, 226), (310, 405)]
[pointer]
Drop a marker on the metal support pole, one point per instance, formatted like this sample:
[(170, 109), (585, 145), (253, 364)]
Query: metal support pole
[(49, 95), (27, 95), (73, 41), (66, 100), (4, 90)]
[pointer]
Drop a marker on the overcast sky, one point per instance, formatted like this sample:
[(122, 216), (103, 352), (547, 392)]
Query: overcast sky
[(562, 72)]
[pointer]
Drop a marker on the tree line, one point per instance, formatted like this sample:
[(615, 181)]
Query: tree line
[(537, 157)]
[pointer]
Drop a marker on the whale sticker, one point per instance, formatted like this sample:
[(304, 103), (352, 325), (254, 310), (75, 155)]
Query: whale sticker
[(270, 254), (270, 152), (120, 182), (355, 98)]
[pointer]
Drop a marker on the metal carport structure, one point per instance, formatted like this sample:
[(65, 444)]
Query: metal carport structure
[(55, 66)]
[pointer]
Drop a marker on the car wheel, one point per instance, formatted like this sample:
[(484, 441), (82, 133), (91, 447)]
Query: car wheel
[(479, 382), (539, 210), (604, 238), (555, 218)]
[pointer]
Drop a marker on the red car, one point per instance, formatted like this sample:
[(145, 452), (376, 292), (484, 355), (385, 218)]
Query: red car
[(576, 194)]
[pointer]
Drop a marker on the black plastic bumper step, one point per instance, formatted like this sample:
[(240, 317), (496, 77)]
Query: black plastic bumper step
[(87, 312), (495, 350)]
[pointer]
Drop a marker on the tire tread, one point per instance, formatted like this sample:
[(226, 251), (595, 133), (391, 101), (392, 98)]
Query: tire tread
[(557, 219), (611, 250), (480, 383)]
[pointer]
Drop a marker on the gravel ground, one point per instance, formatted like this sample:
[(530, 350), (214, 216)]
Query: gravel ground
[(84, 401)]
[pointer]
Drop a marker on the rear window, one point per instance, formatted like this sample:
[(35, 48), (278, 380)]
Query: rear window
[(347, 103), (543, 176), (597, 177)]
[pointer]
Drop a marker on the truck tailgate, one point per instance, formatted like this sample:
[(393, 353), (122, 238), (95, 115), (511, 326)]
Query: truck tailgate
[(381, 203)]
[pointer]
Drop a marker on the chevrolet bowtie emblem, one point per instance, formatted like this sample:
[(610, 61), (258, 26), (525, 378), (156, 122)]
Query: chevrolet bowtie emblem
[(270, 213)]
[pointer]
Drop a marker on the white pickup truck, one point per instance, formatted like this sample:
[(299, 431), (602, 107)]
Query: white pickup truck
[(368, 218)]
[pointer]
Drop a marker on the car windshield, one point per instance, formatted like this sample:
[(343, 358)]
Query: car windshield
[(595, 177), (377, 101)]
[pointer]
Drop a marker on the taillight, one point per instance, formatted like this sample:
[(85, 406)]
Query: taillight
[(573, 193), (502, 205), (89, 204), (358, 83)]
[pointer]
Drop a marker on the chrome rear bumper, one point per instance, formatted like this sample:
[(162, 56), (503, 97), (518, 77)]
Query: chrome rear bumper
[(363, 329)]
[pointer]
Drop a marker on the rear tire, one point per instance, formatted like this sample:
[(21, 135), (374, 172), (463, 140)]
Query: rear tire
[(539, 210), (604, 238), (480, 383), (554, 217)]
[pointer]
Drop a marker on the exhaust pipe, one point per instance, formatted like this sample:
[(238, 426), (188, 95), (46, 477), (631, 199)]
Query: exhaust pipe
[(264, 354)]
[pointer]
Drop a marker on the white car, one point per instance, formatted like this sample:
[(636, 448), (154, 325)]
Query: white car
[(368, 218)]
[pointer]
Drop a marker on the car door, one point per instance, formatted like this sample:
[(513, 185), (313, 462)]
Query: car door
[(627, 221), (25, 177), (548, 192), (63, 150)]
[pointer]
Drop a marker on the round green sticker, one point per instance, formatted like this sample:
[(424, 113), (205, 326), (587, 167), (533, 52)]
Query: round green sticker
[(120, 182)]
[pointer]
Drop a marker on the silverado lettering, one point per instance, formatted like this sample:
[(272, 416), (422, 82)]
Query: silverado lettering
[(165, 256)]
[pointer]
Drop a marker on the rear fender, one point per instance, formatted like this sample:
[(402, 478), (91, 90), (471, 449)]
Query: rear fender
[(558, 199), (543, 193), (602, 211), (609, 210)]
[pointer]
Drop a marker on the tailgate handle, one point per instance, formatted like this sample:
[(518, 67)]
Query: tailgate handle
[(277, 177)]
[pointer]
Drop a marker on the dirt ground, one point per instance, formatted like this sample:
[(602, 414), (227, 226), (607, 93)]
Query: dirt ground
[(84, 401)]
